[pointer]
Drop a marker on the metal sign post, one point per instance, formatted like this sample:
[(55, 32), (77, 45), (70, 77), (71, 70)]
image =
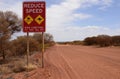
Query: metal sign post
[(1, 34), (42, 58), (27, 49)]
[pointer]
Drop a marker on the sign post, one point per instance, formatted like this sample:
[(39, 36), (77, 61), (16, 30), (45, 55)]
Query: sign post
[(34, 21), (27, 49), (42, 49)]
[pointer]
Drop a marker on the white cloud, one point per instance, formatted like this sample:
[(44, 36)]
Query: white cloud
[(102, 3), (105, 4), (63, 14), (82, 16)]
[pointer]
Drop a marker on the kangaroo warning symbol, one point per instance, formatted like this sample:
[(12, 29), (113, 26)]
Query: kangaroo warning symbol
[(34, 16), (39, 19), (28, 19)]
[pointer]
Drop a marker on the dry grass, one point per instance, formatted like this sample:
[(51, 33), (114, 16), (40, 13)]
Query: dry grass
[(19, 66), (4, 70), (30, 67)]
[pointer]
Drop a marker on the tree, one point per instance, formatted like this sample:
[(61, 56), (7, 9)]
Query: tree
[(116, 40), (21, 45), (47, 37), (38, 37), (104, 40), (90, 41), (9, 24), (101, 40)]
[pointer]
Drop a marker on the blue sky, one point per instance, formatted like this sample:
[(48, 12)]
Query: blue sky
[(69, 20)]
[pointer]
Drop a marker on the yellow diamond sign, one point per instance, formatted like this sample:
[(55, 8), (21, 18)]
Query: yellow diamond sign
[(39, 19), (28, 19)]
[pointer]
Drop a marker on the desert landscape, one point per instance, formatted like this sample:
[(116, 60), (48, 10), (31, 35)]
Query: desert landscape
[(77, 62), (60, 39)]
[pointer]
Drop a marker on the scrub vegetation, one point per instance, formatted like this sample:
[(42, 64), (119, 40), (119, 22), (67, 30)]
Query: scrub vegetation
[(13, 53), (100, 40), (103, 40)]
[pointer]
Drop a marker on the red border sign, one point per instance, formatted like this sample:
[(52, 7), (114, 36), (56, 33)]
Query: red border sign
[(34, 16)]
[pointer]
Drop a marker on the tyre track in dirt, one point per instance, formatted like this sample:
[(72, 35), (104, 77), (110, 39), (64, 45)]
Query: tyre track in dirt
[(59, 68)]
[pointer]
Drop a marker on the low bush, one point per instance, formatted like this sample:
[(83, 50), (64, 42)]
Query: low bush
[(4, 70), (30, 67), (103, 40), (19, 66)]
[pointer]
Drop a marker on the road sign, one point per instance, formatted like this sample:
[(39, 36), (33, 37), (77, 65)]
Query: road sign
[(34, 16)]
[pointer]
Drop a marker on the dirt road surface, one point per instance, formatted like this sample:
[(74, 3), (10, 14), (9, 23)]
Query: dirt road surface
[(83, 62)]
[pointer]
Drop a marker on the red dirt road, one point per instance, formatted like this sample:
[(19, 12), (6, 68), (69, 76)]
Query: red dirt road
[(83, 62)]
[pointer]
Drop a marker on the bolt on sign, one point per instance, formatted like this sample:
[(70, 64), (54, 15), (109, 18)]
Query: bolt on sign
[(34, 16)]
